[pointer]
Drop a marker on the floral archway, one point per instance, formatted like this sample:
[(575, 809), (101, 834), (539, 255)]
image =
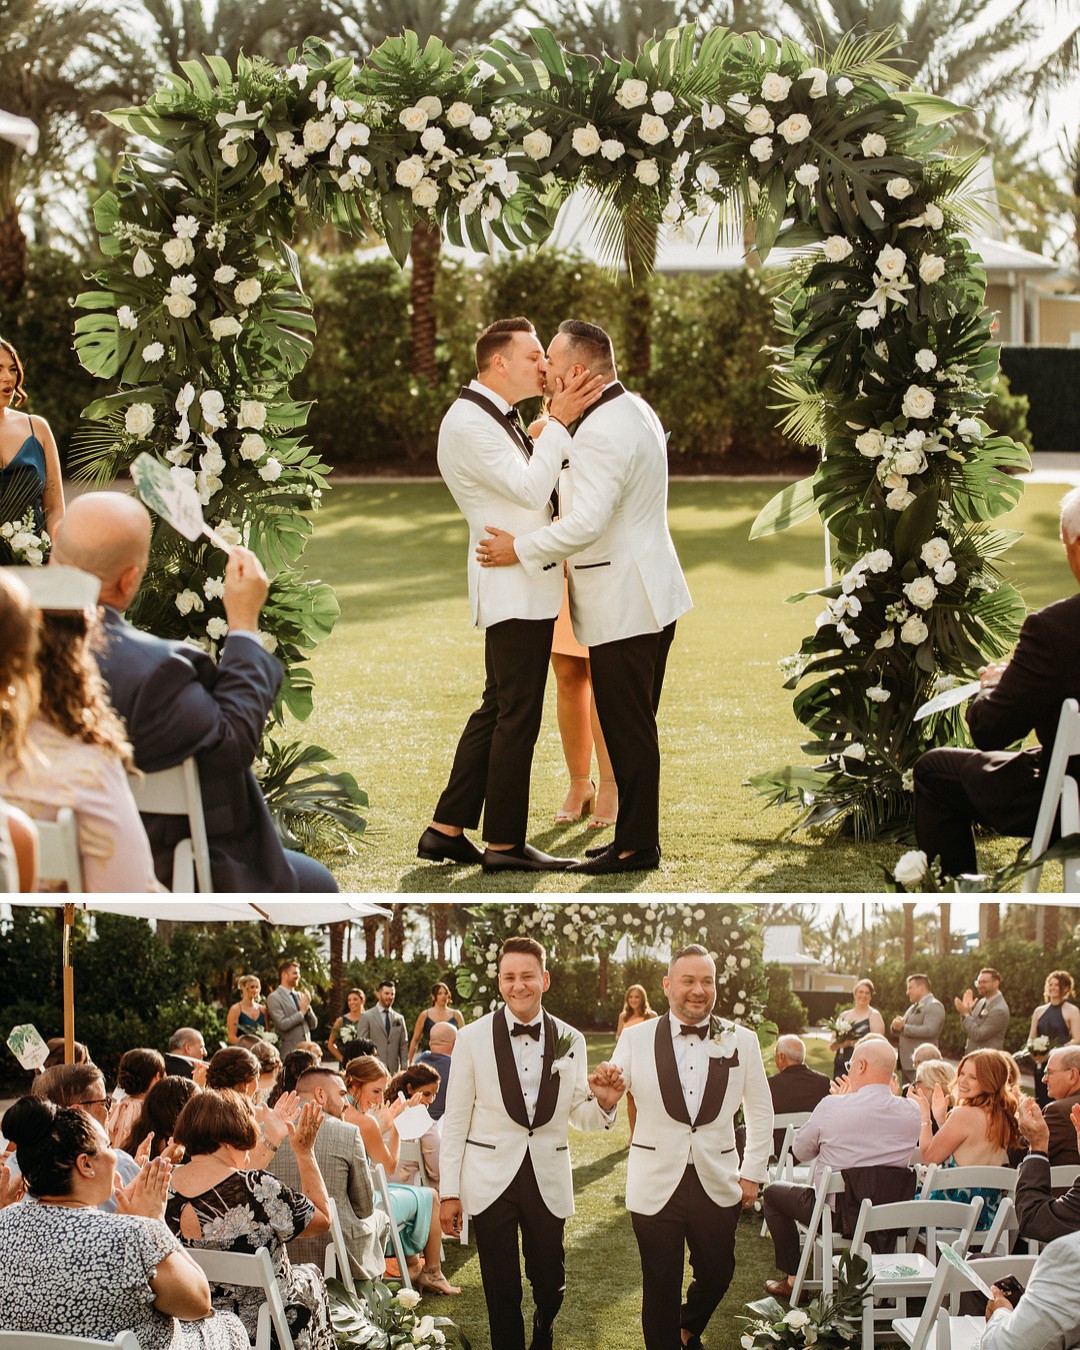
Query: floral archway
[(200, 320)]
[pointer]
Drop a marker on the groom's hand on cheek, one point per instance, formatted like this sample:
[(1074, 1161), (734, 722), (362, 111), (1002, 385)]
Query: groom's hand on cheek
[(498, 551), (574, 395)]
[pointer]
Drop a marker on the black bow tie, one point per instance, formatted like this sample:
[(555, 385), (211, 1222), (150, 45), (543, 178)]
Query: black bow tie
[(700, 1032), (521, 1029)]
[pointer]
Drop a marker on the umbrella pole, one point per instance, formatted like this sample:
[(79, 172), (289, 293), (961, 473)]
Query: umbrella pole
[(69, 987)]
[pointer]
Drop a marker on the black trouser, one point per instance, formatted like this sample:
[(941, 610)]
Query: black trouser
[(627, 678), (493, 762), (521, 1206), (693, 1218), (784, 1205), (944, 813)]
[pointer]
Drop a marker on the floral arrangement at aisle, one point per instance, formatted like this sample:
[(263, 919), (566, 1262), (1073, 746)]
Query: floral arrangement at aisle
[(914, 872), (883, 362), (828, 1322), (378, 1318)]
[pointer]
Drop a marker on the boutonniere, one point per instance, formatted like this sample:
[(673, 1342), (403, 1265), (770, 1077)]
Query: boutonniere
[(564, 1053), (721, 1042)]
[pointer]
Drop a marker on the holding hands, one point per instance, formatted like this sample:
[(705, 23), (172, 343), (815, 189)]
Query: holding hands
[(607, 1085)]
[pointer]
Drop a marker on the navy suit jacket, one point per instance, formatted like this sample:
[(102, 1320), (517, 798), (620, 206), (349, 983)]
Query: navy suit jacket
[(176, 702)]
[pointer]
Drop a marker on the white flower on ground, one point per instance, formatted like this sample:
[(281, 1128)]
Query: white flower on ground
[(252, 447), (586, 140), (820, 81), (426, 193), (836, 248), (899, 188), (612, 149), (871, 443), (216, 628), (408, 1298), (632, 94), (868, 318), (178, 252), (662, 102), (142, 265), (248, 291), (413, 119), (911, 867), (759, 120), (229, 326), (460, 114), (252, 414), (179, 306), (271, 470), (775, 87), (891, 262), (187, 601), (480, 128), (878, 694), (647, 172), (762, 149), (652, 130), (153, 351), (795, 128), (925, 359), (914, 631), (921, 592), (874, 145), (712, 116), (796, 1318), (410, 171), (932, 268), (807, 174), (139, 419), (537, 145), (970, 428), (918, 402), (185, 227), (935, 551)]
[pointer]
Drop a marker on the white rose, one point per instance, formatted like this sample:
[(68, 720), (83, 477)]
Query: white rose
[(153, 351), (142, 264), (899, 499), (918, 402), (871, 443), (652, 130), (176, 252), (921, 592), (647, 172), (247, 291), (877, 694), (426, 193), (932, 268), (410, 171), (537, 145), (762, 148), (212, 461), (844, 86), (139, 419), (662, 102), (899, 188), (187, 601), (271, 470), (796, 1318), (874, 145), (935, 551), (925, 359), (252, 446), (408, 1298), (867, 318), (807, 174), (914, 631), (225, 274), (252, 414), (759, 120), (480, 128), (911, 867), (969, 427), (820, 81), (775, 87), (179, 306), (216, 628), (586, 140), (229, 326), (712, 116), (795, 128), (946, 573), (460, 114), (891, 262), (934, 216), (612, 149), (431, 104), (632, 94), (413, 119), (836, 248)]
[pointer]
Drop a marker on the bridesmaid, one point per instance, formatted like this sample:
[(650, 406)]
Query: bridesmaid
[(439, 1010), (248, 1017), (1058, 1019), (30, 478), (863, 1019), (636, 1009)]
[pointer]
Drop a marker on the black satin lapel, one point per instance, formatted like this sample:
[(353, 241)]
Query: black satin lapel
[(667, 1072), (471, 396), (548, 1096), (716, 1083), (612, 391), (509, 1082)]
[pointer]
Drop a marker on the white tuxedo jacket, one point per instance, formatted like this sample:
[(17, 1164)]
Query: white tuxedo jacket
[(486, 1131), (494, 482), (665, 1140), (625, 577)]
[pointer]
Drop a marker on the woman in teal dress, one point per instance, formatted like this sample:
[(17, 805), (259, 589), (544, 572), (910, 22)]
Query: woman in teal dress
[(346, 1029), (439, 1011), (248, 1017), (31, 489)]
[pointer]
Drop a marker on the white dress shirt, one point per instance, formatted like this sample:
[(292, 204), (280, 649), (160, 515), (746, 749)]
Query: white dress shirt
[(529, 1058), (692, 1059)]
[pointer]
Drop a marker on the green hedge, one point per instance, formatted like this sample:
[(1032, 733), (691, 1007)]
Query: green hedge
[(1050, 379)]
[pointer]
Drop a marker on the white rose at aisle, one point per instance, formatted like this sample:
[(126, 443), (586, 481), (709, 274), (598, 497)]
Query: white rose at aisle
[(934, 216), (248, 291), (935, 551), (212, 404), (969, 428), (426, 193), (178, 252), (918, 402), (632, 94), (774, 87), (537, 145), (179, 306), (932, 268), (647, 172), (139, 419), (430, 104), (652, 130), (870, 443), (410, 171), (911, 868), (187, 601), (586, 140)]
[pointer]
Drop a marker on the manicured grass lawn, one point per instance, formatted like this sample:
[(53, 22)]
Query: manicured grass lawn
[(403, 669)]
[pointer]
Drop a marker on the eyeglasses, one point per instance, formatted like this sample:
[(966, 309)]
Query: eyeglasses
[(94, 1101)]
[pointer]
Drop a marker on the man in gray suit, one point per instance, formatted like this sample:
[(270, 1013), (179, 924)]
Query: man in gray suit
[(386, 1029), (922, 1022), (1048, 1316), (290, 1008), (985, 1018), (344, 1167)]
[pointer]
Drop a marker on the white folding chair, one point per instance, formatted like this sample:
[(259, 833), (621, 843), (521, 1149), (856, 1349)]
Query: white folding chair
[(906, 1273), (410, 1152), (254, 1271), (1060, 793), (945, 1180), (336, 1264), (58, 850), (786, 1168), (1063, 1176), (382, 1197), (176, 792), (46, 1340), (935, 1329), (819, 1242)]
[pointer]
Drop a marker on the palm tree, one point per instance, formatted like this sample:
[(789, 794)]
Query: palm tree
[(1062, 64), (62, 62), (187, 30)]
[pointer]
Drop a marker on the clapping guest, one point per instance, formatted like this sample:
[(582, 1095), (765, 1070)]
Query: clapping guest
[(439, 1010), (70, 1269), (1044, 1216), (248, 1017), (139, 1071), (220, 1202), (83, 1085), (419, 1085)]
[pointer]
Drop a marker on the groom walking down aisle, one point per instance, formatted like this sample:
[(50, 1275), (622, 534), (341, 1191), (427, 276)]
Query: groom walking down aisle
[(520, 1079), (690, 1073), (496, 472)]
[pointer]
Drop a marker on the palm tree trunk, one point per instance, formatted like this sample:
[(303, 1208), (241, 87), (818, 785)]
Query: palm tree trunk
[(1048, 927), (12, 255), (424, 252), (337, 964), (371, 933), (944, 934), (396, 935), (989, 922), (440, 928), (909, 930)]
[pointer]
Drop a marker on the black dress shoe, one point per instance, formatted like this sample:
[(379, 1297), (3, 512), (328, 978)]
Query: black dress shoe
[(434, 846), (523, 859), (694, 1343), (642, 860), (599, 850)]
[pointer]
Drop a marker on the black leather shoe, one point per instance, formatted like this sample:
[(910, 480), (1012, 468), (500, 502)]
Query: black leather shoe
[(643, 860), (434, 846), (523, 859), (599, 850), (694, 1343)]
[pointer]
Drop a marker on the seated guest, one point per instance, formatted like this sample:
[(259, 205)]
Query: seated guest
[(185, 1055), (1043, 1217), (238, 1070), (292, 1066), (220, 1202), (269, 1068), (1048, 1316), (931, 1074), (923, 1052), (80, 1053), (795, 1086), (139, 1071), (866, 1126), (442, 1041), (979, 1132), (18, 850), (77, 753), (83, 1085), (1062, 1079), (419, 1083), (71, 1270), (18, 651), (955, 789), (157, 1119), (177, 702), (343, 1164)]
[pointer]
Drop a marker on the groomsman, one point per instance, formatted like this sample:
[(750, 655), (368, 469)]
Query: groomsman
[(626, 585), (289, 1008), (386, 1029), (496, 472), (520, 1079), (690, 1073)]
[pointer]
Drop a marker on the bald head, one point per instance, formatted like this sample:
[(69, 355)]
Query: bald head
[(443, 1036), (108, 535), (872, 1061)]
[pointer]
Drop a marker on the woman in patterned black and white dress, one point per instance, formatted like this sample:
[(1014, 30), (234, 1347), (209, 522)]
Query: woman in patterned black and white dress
[(69, 1268)]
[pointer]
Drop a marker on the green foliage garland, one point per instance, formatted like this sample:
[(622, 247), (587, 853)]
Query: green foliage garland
[(884, 362)]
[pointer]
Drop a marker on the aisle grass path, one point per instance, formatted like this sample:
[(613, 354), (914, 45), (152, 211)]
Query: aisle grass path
[(403, 668)]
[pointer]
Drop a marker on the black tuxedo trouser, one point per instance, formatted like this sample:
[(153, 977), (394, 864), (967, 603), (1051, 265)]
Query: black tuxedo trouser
[(493, 763), (692, 1217), (521, 1206), (785, 1207), (627, 678)]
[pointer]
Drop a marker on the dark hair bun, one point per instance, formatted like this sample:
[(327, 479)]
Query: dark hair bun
[(28, 1120)]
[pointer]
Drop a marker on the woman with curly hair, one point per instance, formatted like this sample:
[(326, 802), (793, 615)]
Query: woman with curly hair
[(979, 1131), (78, 756), (138, 1072)]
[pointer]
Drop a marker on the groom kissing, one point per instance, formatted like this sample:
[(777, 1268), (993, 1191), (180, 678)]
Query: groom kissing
[(520, 1079)]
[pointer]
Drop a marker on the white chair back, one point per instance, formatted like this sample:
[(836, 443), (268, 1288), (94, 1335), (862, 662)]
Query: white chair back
[(58, 850), (176, 792), (1063, 1176), (410, 1152), (254, 1271), (336, 1264), (47, 1340), (932, 1330), (1059, 795), (820, 1242), (382, 1197), (9, 869)]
